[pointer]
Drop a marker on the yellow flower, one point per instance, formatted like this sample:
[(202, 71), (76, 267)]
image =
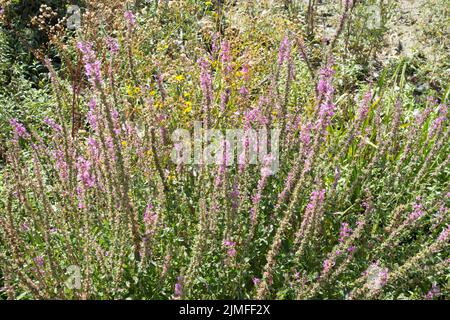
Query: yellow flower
[(163, 47), (124, 144), (129, 91), (153, 93), (188, 108), (186, 94), (158, 104), (179, 78), (132, 91), (171, 177)]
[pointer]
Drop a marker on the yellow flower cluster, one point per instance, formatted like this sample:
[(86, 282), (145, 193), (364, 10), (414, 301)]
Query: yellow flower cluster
[(179, 78), (132, 91)]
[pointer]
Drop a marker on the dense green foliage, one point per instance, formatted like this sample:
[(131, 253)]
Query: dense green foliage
[(90, 191)]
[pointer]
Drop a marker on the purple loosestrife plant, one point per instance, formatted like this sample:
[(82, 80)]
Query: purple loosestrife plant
[(434, 292), (130, 18), (113, 45), (356, 210), (19, 129), (92, 65), (345, 232)]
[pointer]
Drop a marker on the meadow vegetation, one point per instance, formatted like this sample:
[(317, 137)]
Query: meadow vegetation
[(92, 205)]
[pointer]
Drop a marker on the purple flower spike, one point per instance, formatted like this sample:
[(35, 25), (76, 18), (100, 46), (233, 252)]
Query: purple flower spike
[(130, 18), (19, 129)]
